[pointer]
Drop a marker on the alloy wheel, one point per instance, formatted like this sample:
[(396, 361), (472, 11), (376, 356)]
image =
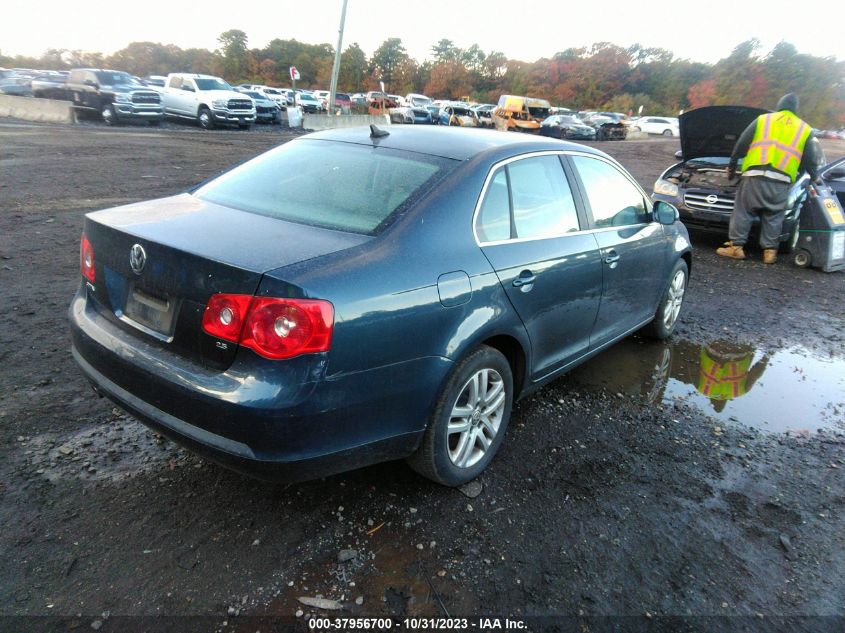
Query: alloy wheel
[(476, 418), (674, 299)]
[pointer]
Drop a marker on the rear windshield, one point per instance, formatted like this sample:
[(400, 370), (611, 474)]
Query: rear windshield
[(341, 186)]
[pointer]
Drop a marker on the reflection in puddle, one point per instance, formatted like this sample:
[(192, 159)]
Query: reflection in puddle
[(787, 390)]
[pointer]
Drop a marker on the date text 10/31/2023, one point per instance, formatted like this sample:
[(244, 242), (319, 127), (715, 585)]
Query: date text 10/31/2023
[(415, 624)]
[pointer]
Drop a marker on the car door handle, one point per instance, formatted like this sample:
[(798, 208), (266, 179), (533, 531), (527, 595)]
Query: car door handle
[(525, 279), (611, 257)]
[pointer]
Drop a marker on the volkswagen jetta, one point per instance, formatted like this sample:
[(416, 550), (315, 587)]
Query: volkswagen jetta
[(355, 296)]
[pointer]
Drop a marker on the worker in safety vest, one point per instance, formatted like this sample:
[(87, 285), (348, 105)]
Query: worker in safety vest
[(774, 148), (726, 372)]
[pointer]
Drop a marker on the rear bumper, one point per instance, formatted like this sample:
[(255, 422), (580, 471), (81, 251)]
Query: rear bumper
[(274, 420)]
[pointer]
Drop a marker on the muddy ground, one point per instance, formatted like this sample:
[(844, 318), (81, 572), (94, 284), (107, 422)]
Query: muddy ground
[(611, 496)]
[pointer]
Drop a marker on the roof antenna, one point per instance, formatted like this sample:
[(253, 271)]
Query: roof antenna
[(376, 132)]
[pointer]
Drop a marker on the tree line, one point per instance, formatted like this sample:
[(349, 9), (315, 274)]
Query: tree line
[(603, 76)]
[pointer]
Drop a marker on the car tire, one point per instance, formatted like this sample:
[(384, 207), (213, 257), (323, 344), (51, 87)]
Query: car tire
[(667, 132), (153, 123), (205, 119), (109, 115), (466, 429), (245, 127), (671, 303)]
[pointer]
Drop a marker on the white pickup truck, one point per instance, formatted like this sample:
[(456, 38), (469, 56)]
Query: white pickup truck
[(208, 100)]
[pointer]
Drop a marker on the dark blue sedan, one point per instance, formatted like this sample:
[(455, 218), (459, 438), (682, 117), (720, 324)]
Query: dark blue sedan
[(353, 296)]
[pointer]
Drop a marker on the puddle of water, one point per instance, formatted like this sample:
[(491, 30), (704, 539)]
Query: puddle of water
[(787, 390)]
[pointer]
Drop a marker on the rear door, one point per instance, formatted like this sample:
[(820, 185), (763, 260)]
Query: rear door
[(634, 248), (529, 226)]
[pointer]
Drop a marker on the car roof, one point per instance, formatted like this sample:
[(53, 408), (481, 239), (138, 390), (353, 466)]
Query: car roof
[(449, 142)]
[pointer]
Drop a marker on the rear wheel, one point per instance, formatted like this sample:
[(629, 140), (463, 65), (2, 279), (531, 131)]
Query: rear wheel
[(670, 306), (469, 420), (667, 132)]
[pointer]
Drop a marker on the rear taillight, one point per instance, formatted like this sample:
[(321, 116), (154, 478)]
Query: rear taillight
[(224, 316), (274, 328), (86, 259)]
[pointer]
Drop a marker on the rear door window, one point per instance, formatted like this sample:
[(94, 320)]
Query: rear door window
[(528, 198)]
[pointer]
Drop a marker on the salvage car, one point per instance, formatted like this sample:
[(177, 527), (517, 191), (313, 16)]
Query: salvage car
[(115, 95), (51, 85), (458, 114), (607, 127), (413, 285), (699, 186), (656, 125), (266, 109), (565, 126), (208, 100), (520, 114)]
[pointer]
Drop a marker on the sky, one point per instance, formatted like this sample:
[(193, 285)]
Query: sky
[(699, 30)]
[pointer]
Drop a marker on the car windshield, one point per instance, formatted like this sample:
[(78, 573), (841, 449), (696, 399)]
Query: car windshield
[(305, 97), (569, 119), (270, 91), (420, 101), (255, 95), (211, 84), (341, 186), (117, 78)]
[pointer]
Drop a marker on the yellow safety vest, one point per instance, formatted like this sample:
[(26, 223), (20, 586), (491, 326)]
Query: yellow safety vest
[(723, 381), (779, 140)]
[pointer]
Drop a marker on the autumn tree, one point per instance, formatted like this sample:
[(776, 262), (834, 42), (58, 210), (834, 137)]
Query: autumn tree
[(233, 48), (386, 59), (353, 69)]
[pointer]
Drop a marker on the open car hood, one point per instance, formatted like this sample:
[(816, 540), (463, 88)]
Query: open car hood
[(714, 130)]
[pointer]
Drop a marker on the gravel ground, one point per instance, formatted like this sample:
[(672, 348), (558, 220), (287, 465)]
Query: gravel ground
[(597, 505)]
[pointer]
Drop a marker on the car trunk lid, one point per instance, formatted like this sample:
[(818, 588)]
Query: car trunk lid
[(158, 263)]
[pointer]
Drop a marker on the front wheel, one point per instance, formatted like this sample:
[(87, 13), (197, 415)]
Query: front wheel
[(205, 119), (469, 420), (109, 115), (667, 132), (666, 317)]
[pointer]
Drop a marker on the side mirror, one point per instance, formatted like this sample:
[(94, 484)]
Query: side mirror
[(188, 88), (665, 213), (679, 155)]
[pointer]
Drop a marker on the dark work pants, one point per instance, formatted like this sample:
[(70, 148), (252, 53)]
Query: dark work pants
[(759, 196)]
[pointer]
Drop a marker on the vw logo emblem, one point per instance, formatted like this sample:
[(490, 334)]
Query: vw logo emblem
[(712, 199), (137, 259)]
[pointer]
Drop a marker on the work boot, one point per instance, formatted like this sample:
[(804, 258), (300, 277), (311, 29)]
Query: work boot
[(729, 250), (770, 255)]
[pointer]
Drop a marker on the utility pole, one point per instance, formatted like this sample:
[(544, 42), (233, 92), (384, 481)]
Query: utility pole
[(336, 67)]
